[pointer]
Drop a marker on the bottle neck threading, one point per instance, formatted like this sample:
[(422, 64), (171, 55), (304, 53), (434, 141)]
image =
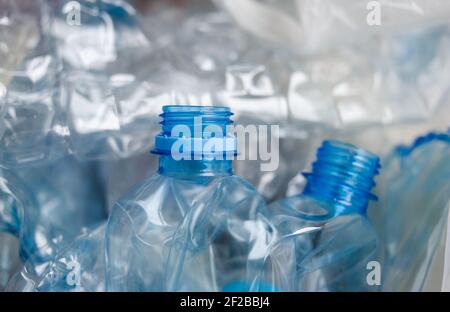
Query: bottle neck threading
[(194, 142), (342, 177)]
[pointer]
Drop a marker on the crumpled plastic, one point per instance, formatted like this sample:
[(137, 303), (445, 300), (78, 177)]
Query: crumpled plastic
[(312, 26), (412, 210), (46, 212)]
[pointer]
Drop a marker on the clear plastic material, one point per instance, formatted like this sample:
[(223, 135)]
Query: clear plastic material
[(107, 102), (9, 258), (29, 86), (88, 94), (412, 212), (13, 198), (47, 212), (197, 235), (325, 240), (192, 227), (313, 26), (80, 266), (73, 88)]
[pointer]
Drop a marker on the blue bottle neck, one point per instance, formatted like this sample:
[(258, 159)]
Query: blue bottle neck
[(194, 142), (194, 169), (342, 178)]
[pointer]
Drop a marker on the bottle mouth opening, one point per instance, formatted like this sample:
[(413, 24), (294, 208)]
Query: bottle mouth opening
[(343, 174), (185, 114), (195, 109), (195, 131)]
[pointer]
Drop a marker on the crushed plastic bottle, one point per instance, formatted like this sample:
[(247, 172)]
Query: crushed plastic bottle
[(107, 98), (13, 198), (46, 212), (314, 26), (29, 86), (414, 197), (72, 82), (66, 204), (80, 266), (198, 225), (325, 239)]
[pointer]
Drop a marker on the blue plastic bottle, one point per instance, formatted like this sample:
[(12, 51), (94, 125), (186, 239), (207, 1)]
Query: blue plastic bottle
[(325, 240), (413, 209), (193, 226)]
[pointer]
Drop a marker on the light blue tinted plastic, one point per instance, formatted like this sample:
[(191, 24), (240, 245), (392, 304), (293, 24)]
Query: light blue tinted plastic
[(51, 206), (78, 267), (199, 126), (325, 240), (9, 258), (12, 198), (15, 198), (413, 208), (192, 227), (343, 175)]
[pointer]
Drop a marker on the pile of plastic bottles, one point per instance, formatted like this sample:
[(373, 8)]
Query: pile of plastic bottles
[(294, 146)]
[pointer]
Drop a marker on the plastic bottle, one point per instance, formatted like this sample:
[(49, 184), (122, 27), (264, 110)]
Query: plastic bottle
[(325, 240), (47, 207), (30, 125), (194, 225), (413, 209), (68, 199), (71, 82)]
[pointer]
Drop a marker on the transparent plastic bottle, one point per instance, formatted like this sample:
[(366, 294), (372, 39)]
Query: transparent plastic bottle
[(46, 208), (72, 81), (325, 239), (106, 101), (30, 125), (79, 266), (193, 226), (66, 202), (413, 208)]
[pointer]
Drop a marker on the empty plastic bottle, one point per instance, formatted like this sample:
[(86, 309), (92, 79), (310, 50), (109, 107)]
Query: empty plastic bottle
[(80, 266), (30, 125), (46, 208), (68, 199), (325, 240), (194, 225), (413, 208)]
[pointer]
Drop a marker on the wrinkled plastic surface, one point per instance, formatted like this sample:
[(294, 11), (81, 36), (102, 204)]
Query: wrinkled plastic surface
[(83, 89), (9, 258), (313, 26), (316, 252), (68, 201), (107, 97), (80, 266), (181, 235), (45, 212), (412, 211), (29, 67), (107, 104)]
